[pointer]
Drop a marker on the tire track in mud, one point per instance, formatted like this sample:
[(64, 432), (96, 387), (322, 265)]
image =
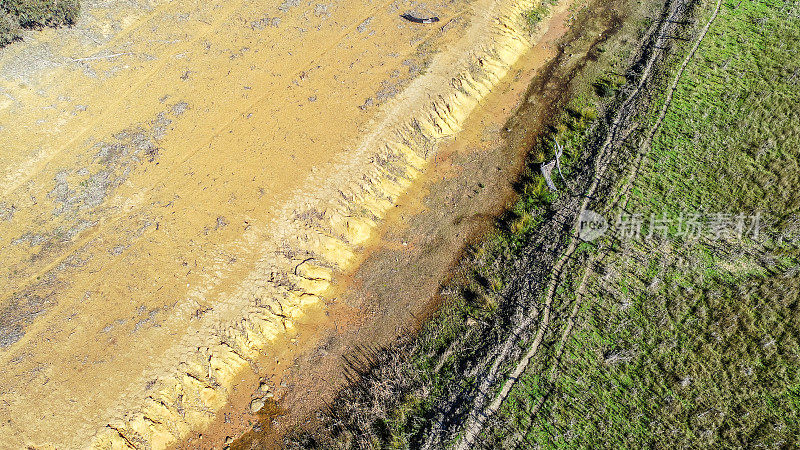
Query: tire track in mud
[(447, 420), (553, 91), (622, 199), (650, 134), (478, 416)]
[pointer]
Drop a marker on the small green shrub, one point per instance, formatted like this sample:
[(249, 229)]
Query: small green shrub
[(608, 85), (39, 13), (533, 16), (66, 11), (9, 29), (18, 14)]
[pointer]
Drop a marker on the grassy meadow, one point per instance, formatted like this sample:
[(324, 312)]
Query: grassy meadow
[(679, 342)]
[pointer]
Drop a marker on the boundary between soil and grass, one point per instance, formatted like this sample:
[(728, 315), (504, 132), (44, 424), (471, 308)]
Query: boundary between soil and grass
[(475, 353), (489, 359)]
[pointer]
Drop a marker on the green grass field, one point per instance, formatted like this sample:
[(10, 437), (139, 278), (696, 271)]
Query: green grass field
[(731, 136), (692, 343)]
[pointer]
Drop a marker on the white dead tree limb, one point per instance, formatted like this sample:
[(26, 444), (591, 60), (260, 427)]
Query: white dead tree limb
[(91, 58), (559, 152), (547, 169)]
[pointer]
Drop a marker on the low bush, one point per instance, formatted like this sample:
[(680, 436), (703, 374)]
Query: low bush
[(18, 14), (9, 28), (534, 15)]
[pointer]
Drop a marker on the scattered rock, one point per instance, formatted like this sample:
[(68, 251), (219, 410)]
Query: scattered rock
[(179, 108), (363, 26), (288, 4), (265, 22), (321, 10), (367, 103), (6, 211), (256, 405)]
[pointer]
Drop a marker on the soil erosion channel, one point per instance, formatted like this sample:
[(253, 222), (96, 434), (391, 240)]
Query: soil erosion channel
[(182, 184)]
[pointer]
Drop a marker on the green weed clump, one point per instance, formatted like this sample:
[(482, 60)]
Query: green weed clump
[(608, 85), (534, 15), (18, 14), (9, 29)]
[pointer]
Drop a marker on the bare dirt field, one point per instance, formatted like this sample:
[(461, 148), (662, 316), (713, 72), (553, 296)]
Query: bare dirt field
[(188, 190), (395, 286)]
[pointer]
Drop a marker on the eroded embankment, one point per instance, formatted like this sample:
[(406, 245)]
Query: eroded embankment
[(319, 233), (412, 252), (420, 393)]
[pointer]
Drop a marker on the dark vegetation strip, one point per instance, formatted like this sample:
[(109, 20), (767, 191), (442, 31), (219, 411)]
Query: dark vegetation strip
[(542, 274), (16, 15), (480, 413)]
